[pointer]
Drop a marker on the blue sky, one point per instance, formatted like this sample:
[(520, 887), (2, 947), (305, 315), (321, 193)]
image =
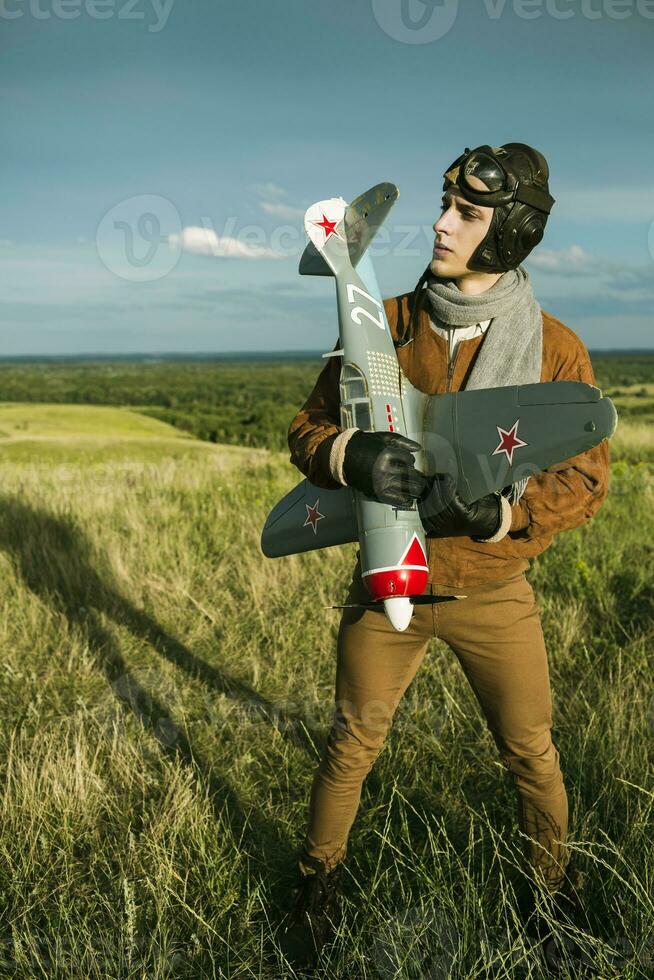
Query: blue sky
[(129, 123)]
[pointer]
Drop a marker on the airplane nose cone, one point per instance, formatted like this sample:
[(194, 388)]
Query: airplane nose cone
[(399, 610)]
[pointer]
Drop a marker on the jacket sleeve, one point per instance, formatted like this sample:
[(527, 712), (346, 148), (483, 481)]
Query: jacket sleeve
[(316, 426), (564, 495)]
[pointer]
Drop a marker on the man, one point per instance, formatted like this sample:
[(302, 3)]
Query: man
[(475, 324)]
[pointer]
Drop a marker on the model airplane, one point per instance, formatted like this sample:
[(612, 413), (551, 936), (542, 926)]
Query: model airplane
[(458, 431)]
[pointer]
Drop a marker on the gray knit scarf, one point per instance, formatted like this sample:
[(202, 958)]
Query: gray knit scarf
[(511, 351)]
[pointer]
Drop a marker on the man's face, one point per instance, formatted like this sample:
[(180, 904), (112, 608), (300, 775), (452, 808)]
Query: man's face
[(460, 229)]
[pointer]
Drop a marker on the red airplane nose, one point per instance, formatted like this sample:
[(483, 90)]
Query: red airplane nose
[(396, 582), (408, 577)]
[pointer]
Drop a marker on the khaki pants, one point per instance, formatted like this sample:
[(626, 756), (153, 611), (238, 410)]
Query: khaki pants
[(497, 637)]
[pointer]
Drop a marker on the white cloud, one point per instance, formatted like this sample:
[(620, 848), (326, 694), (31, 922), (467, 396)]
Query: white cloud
[(282, 210), (568, 261), (574, 262), (277, 208), (205, 241), (270, 190), (594, 280)]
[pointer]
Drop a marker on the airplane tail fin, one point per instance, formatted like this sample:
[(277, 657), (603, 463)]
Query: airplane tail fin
[(339, 233)]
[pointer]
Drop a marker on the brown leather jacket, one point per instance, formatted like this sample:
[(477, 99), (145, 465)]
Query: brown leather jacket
[(559, 498)]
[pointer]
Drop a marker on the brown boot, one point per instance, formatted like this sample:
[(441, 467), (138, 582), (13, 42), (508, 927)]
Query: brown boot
[(568, 900), (316, 912), (568, 946)]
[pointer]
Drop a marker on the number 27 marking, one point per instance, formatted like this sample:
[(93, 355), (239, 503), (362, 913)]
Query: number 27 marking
[(358, 310)]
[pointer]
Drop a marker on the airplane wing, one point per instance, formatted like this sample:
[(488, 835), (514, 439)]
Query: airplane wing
[(307, 518), (489, 438)]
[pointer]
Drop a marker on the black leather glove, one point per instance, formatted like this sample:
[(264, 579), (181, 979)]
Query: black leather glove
[(444, 514), (381, 465)]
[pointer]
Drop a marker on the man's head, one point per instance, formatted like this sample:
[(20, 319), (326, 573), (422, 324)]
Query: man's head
[(495, 206)]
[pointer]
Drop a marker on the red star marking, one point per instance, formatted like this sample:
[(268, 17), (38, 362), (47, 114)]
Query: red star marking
[(508, 441), (313, 515), (329, 227), (414, 554)]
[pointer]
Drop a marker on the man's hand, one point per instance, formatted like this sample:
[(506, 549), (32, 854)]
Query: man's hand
[(381, 465), (444, 514)]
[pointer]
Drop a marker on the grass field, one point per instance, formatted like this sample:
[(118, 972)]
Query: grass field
[(166, 693)]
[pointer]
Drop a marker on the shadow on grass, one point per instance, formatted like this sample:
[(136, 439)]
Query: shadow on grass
[(58, 563)]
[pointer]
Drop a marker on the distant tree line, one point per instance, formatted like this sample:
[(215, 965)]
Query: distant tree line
[(245, 403), (248, 403)]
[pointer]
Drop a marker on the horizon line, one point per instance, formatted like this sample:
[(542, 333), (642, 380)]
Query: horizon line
[(245, 354)]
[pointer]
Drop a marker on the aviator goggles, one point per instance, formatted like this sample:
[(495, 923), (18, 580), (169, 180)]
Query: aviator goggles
[(502, 187)]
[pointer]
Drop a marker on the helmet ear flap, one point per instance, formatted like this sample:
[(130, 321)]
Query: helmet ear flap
[(513, 232), (522, 230)]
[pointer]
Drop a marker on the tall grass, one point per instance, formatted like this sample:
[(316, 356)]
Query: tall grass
[(166, 694)]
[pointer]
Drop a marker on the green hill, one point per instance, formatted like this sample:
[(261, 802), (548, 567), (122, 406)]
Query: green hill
[(48, 421), (53, 433)]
